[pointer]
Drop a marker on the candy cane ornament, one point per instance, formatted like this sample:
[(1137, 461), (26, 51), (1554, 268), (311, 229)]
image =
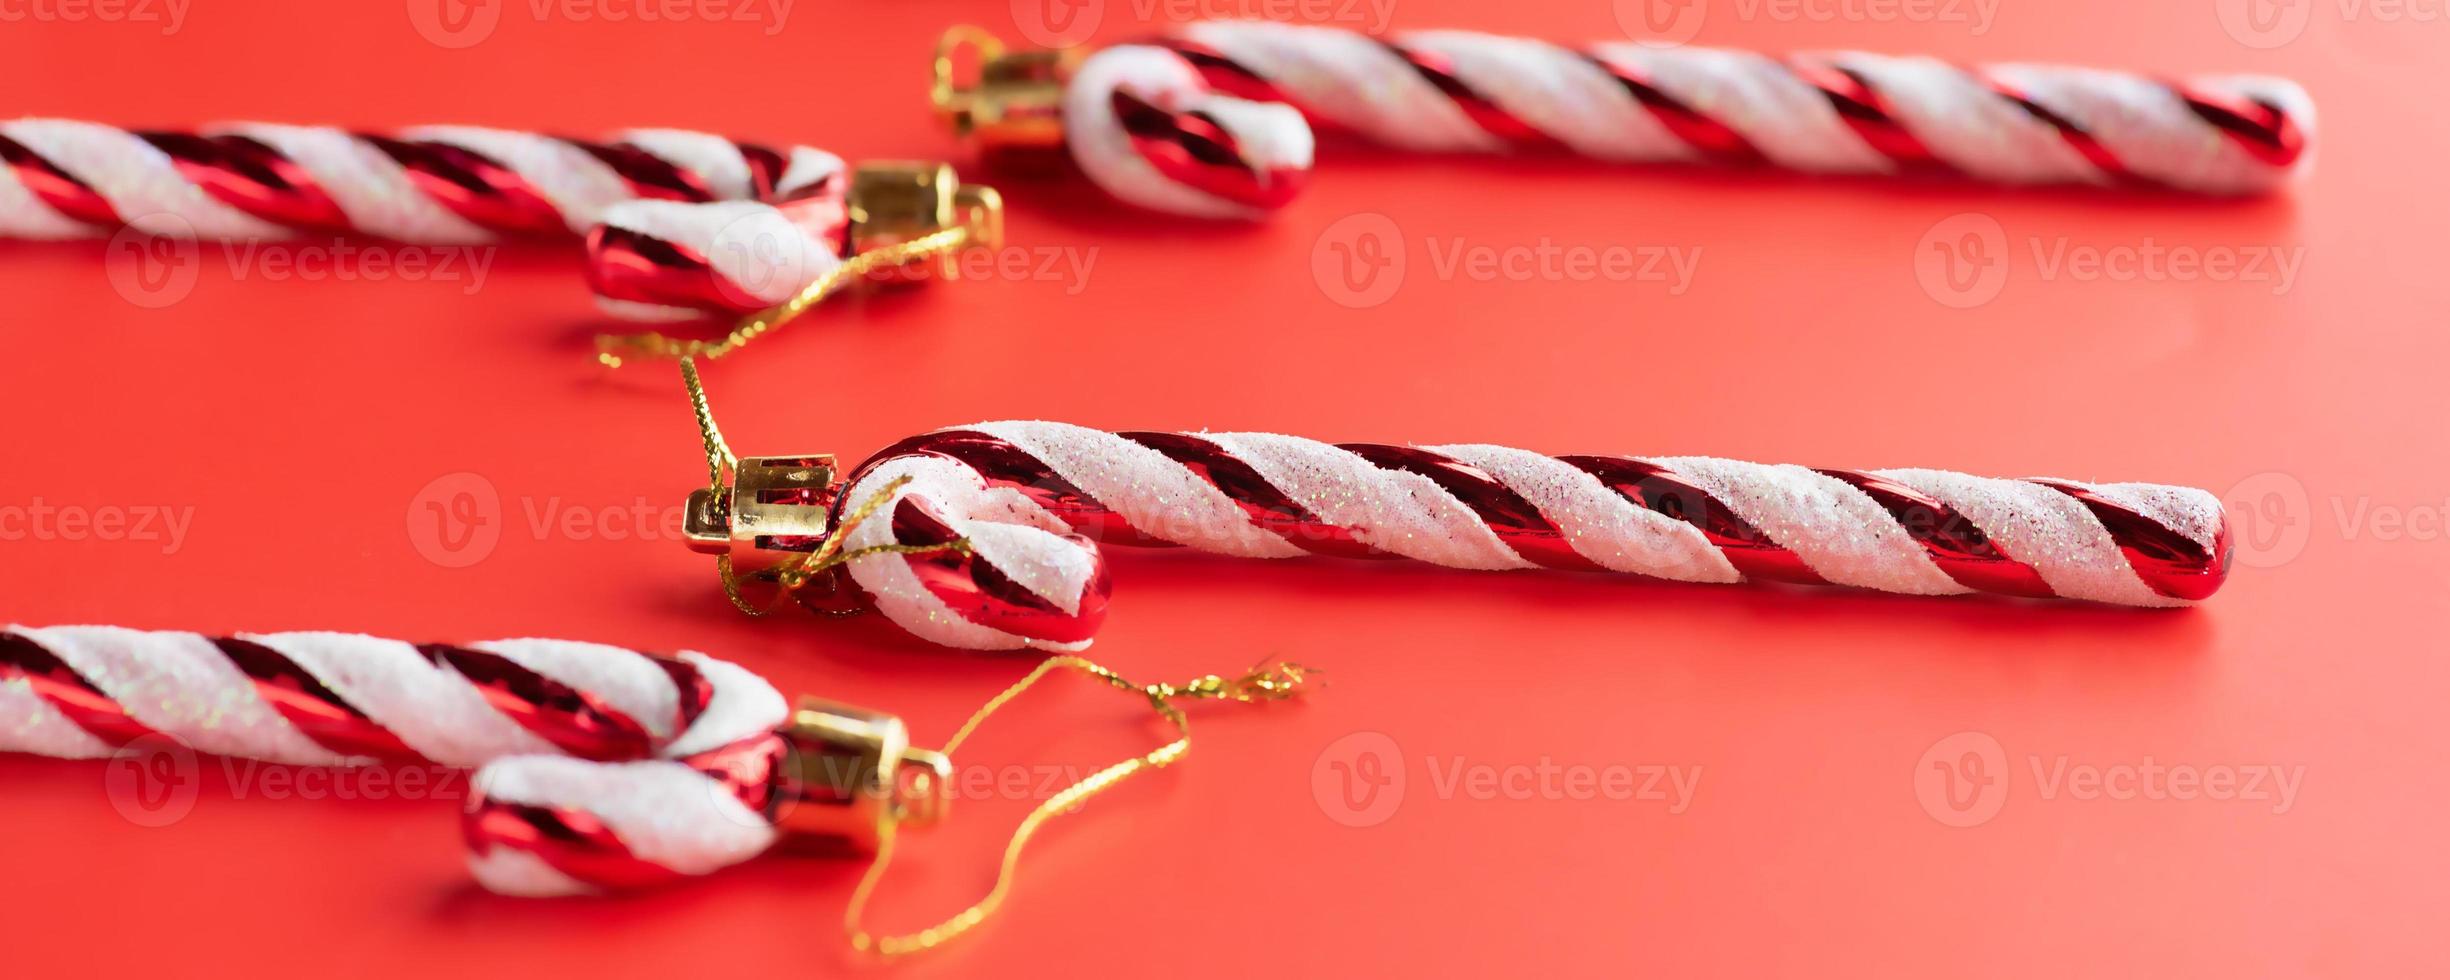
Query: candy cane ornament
[(1209, 118), (1034, 501), (601, 768), (677, 224)]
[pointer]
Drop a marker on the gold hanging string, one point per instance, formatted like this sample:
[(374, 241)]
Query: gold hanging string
[(1268, 682), (829, 553), (611, 349)]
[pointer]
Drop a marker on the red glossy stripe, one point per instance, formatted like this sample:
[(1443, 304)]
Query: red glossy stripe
[(1267, 506), (1867, 112), (59, 190), (314, 709), (573, 842), (2264, 129), (1224, 74), (766, 167), (1516, 520), (2171, 563), (649, 177), (1439, 71), (1957, 546), (252, 177), (474, 187), (979, 592), (1714, 140), (1651, 486), (577, 722), (2075, 135), (1194, 149), (75, 697), (626, 265)]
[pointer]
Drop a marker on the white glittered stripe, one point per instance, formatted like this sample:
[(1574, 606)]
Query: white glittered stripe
[(1600, 523), (1058, 574), (2043, 528), (1557, 92), (1106, 153), (2186, 510), (2146, 126), (1402, 513), (1789, 121), (743, 705), (578, 185), (665, 813), (1967, 124), (957, 492), (1838, 531), (180, 685), (805, 167), (24, 215), (142, 184), (371, 188), (714, 159), (506, 870), (1349, 79), (1155, 495), (762, 256), (429, 707), (630, 683), (28, 723)]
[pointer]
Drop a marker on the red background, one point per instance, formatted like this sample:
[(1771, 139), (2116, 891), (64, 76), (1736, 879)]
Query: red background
[(299, 421)]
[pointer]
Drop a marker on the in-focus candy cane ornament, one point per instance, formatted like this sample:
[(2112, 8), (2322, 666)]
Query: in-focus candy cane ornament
[(1033, 501), (678, 224), (1209, 119), (602, 769)]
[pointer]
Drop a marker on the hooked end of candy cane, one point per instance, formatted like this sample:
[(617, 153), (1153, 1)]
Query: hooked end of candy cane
[(670, 260), (553, 825)]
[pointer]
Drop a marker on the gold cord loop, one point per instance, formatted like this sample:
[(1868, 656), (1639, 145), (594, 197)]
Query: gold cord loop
[(1268, 682), (611, 349)]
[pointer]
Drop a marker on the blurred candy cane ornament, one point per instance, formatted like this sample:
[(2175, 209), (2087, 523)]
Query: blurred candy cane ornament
[(602, 769), (1034, 501), (1213, 118), (678, 224)]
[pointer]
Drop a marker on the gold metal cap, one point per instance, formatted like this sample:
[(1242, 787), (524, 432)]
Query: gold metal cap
[(852, 771), (1013, 110)]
